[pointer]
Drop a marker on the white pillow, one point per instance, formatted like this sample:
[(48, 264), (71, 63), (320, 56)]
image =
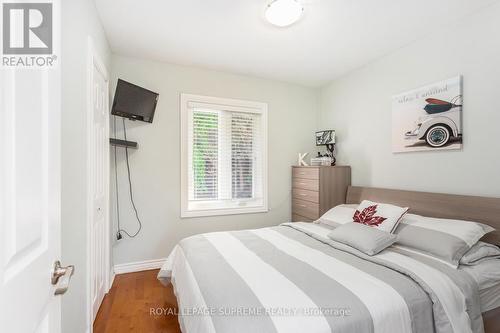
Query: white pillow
[(338, 215), (382, 216)]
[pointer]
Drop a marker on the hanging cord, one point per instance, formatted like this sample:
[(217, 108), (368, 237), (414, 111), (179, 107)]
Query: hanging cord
[(116, 183), (130, 189)]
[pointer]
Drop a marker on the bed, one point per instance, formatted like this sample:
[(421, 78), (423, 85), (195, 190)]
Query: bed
[(293, 278)]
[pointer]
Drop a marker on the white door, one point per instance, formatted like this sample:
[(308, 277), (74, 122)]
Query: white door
[(30, 199), (99, 173)]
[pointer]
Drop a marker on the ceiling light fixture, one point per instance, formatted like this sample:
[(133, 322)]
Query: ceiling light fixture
[(283, 13)]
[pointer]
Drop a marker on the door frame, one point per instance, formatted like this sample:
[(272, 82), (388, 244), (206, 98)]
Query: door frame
[(94, 59)]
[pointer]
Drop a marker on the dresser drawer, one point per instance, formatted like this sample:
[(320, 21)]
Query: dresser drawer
[(312, 196), (306, 173), (305, 184), (316, 189), (305, 208), (298, 218)]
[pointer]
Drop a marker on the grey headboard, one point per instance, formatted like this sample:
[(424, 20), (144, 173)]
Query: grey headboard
[(461, 207)]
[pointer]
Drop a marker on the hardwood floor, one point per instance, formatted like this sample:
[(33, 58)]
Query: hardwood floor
[(127, 306)]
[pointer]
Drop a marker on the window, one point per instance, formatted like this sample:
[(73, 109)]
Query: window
[(224, 156)]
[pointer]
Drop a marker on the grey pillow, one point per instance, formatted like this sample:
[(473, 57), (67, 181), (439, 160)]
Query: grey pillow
[(364, 238), (445, 239), (480, 252)]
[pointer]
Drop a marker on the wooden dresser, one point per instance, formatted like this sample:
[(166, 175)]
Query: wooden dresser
[(317, 189)]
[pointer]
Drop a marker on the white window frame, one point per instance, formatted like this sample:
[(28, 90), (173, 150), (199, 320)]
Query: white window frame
[(230, 105)]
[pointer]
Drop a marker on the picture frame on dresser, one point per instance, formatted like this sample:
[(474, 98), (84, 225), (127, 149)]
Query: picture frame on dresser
[(316, 189)]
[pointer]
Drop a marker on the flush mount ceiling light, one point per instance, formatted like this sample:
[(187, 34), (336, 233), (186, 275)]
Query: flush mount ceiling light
[(283, 13)]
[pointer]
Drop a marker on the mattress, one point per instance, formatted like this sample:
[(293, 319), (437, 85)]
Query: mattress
[(293, 278), (490, 298), (487, 276)]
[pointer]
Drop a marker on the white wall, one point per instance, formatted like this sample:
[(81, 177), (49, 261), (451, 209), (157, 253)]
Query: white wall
[(79, 20), (156, 165), (358, 106)]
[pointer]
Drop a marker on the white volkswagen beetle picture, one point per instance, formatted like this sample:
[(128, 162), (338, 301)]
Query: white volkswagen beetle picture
[(441, 124)]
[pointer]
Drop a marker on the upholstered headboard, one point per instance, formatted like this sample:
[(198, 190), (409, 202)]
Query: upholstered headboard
[(461, 207)]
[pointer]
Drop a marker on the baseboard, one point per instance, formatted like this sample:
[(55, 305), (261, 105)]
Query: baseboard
[(112, 275), (138, 266)]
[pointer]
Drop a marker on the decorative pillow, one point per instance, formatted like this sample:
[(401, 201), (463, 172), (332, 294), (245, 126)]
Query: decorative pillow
[(338, 215), (480, 252), (382, 216), (444, 239), (362, 237)]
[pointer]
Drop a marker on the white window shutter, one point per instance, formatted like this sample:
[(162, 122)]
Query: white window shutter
[(225, 158), (204, 161)]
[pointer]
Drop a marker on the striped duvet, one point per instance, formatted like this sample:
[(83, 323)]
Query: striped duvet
[(293, 278)]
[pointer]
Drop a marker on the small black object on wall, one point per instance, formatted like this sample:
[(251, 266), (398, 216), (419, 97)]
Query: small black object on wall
[(122, 143)]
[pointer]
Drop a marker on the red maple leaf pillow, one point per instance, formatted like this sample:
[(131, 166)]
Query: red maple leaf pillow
[(385, 217), (367, 216)]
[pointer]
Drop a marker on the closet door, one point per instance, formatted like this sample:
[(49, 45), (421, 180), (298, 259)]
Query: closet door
[(99, 182)]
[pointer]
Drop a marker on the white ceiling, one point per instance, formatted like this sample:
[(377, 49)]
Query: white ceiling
[(333, 38)]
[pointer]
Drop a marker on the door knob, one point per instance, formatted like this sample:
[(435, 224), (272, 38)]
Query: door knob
[(61, 276)]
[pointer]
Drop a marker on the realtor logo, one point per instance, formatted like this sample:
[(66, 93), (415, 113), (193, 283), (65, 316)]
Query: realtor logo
[(27, 28), (27, 35)]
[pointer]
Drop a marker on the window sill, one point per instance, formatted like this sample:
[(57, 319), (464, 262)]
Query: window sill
[(220, 212)]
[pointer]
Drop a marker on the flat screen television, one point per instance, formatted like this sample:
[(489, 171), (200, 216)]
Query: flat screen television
[(134, 102)]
